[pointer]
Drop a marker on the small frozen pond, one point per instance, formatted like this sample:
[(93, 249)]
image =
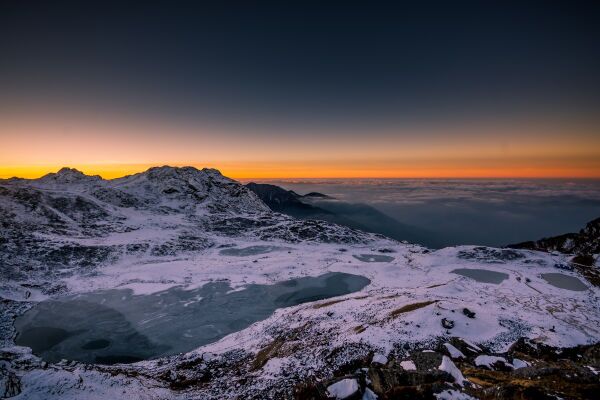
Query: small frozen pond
[(250, 250), (373, 258), (563, 281), (482, 275), (114, 326)]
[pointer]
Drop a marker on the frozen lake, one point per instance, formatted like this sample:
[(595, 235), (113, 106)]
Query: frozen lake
[(482, 275), (115, 326), (373, 258), (563, 281), (250, 250)]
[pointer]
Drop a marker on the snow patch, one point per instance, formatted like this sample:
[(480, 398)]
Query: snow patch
[(448, 366), (379, 359), (453, 395), (489, 361), (454, 352), (408, 365), (519, 363), (343, 389), (369, 395)]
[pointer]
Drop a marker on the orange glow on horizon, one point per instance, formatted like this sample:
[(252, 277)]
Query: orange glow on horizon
[(248, 171), (32, 145)]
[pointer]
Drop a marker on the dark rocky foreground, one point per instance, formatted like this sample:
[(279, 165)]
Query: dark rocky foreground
[(528, 370), (566, 373)]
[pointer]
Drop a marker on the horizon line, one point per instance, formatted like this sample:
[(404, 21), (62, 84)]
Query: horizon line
[(115, 171)]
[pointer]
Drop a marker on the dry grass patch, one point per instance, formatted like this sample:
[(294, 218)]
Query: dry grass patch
[(332, 302), (411, 307), (434, 286), (328, 303), (266, 353), (275, 348)]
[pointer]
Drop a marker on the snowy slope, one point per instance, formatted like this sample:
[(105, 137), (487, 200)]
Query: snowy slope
[(69, 233)]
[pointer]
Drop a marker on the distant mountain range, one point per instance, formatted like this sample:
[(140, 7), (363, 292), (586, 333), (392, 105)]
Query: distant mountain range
[(318, 206)]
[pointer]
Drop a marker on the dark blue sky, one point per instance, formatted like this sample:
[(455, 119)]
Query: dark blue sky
[(302, 89), (304, 63)]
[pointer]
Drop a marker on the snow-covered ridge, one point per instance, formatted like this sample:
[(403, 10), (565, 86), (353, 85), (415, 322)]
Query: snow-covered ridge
[(67, 233), (182, 186), (67, 176), (68, 220)]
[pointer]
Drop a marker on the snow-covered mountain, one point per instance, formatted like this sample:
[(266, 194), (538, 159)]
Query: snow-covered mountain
[(70, 220), (462, 322)]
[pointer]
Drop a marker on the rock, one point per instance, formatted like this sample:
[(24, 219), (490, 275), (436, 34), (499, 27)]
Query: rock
[(10, 385), (388, 382), (379, 359), (345, 389), (448, 366), (584, 243), (369, 395), (447, 323), (465, 347), (492, 362), (468, 313), (426, 360), (408, 365), (451, 394), (546, 373), (519, 363), (453, 351)]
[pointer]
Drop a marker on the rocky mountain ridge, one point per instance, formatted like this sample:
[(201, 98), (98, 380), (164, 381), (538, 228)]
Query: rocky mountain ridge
[(455, 323), (69, 220), (586, 242)]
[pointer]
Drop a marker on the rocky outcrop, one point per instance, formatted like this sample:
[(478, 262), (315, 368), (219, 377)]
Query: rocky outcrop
[(528, 370), (288, 202), (584, 243)]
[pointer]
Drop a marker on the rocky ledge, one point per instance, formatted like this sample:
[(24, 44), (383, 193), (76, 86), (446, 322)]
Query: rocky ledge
[(458, 369)]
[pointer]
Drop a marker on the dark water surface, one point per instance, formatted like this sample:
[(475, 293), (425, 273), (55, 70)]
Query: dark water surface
[(563, 281), (250, 250), (115, 326), (373, 258), (482, 275)]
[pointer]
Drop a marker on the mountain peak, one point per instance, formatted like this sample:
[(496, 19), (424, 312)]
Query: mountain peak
[(187, 173), (68, 175), (190, 186), (69, 170)]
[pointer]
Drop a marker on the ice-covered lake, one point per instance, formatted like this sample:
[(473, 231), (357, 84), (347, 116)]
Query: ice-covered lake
[(250, 250), (373, 258), (114, 326), (482, 275), (563, 281)]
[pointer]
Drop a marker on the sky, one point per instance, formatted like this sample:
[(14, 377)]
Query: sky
[(301, 89)]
